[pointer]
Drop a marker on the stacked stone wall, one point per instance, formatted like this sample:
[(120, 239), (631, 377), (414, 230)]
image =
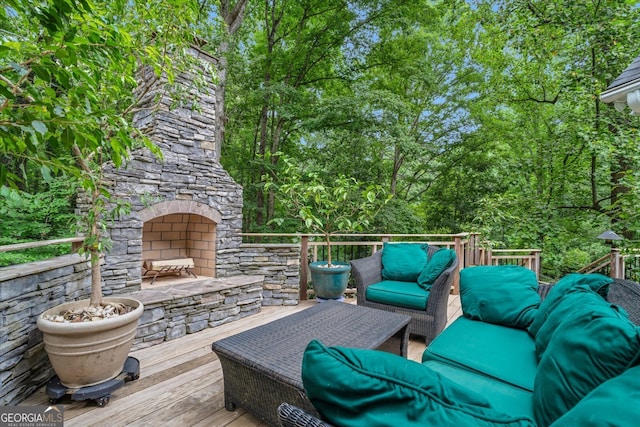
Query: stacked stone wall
[(26, 290), (187, 309), (280, 266)]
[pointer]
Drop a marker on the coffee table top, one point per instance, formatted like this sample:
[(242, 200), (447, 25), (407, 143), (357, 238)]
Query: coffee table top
[(277, 348)]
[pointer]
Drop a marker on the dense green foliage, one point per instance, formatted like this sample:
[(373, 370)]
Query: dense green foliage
[(475, 115), (47, 214)]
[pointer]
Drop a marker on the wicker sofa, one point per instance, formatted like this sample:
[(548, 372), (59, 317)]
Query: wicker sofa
[(500, 364), (427, 322)]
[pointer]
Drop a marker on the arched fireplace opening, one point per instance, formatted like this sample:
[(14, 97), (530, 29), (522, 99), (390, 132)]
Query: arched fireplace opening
[(178, 230)]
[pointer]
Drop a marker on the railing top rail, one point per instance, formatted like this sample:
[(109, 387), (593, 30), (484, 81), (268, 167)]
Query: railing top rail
[(30, 245), (353, 235), (603, 260), (372, 242), (594, 268), (516, 250), (513, 256)]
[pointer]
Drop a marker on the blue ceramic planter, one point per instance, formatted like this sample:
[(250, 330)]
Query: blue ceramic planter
[(329, 283)]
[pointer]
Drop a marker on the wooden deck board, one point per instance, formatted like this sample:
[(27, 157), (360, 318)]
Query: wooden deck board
[(181, 381)]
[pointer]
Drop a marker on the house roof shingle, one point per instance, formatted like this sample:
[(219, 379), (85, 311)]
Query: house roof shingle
[(631, 73), (625, 83)]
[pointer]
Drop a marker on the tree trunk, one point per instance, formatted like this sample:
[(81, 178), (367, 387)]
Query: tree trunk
[(272, 27), (233, 17), (96, 279)]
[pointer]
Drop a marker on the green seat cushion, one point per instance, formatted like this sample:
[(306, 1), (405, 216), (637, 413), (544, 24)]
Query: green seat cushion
[(501, 396), (399, 294), (439, 262), (506, 354), (596, 282), (615, 402), (363, 388), (595, 343), (505, 295), (403, 261)]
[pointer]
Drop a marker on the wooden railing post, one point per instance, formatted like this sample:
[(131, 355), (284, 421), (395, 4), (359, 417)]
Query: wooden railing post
[(537, 264), (304, 267), (473, 251), (457, 244), (617, 267)]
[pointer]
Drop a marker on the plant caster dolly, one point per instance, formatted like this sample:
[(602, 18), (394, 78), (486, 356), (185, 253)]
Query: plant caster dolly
[(99, 393)]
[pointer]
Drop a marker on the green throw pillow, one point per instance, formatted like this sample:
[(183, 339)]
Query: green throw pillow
[(505, 295), (439, 262), (616, 402), (592, 345), (596, 282), (363, 388), (403, 261)]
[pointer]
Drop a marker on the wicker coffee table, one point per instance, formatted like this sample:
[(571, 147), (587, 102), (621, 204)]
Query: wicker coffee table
[(262, 366)]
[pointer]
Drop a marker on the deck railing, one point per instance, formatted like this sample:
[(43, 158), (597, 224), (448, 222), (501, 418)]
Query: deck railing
[(346, 247), (616, 265), (529, 258), (75, 244)]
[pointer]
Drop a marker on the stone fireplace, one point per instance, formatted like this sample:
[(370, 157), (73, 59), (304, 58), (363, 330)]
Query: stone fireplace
[(184, 205)]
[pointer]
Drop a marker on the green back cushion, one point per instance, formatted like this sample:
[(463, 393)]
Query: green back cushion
[(592, 344), (505, 295), (615, 402), (403, 261), (362, 388), (577, 299), (596, 282), (399, 294), (439, 262)]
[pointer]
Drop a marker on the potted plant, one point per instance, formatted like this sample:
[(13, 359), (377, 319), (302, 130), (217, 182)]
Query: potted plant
[(88, 341), (66, 108), (327, 207)]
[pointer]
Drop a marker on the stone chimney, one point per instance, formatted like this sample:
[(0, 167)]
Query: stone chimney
[(180, 118), (185, 205)]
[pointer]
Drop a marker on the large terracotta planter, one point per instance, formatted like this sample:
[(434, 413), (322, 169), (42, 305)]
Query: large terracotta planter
[(329, 283), (89, 353)]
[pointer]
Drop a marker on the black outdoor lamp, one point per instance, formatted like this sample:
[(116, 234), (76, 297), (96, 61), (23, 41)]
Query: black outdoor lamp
[(609, 237)]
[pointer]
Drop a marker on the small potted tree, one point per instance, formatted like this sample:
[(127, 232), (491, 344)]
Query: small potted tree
[(88, 341), (326, 207), (66, 106)]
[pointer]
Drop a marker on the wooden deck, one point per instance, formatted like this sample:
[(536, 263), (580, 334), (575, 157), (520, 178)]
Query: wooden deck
[(181, 381)]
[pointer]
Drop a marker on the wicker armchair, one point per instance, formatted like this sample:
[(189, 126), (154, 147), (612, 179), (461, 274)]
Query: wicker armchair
[(292, 416), (427, 323)]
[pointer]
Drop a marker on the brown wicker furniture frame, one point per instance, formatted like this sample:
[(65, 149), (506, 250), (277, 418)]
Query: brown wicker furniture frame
[(427, 323), (261, 367)]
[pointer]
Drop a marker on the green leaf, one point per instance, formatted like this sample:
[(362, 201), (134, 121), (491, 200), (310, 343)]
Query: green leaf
[(40, 127), (46, 173)]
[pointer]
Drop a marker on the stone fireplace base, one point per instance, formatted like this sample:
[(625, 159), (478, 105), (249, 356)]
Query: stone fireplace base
[(178, 306)]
